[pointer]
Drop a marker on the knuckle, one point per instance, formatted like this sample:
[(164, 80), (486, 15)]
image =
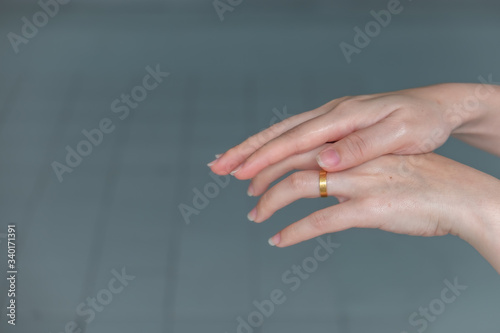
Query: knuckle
[(319, 221), (279, 127), (297, 181), (266, 155), (267, 197), (235, 155), (294, 140), (356, 145), (254, 142), (402, 128), (349, 104), (265, 201), (372, 204), (276, 129), (292, 233), (272, 131), (263, 137)]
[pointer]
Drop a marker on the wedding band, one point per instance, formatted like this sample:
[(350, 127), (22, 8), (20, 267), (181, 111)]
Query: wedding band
[(322, 184)]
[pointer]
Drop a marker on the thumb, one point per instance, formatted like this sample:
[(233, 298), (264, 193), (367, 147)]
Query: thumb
[(360, 146)]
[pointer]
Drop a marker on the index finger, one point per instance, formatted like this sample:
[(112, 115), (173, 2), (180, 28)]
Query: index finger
[(304, 137), (235, 156)]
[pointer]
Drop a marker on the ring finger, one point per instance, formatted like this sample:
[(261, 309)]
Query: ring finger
[(301, 184)]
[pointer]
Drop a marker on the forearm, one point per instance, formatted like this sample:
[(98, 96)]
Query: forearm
[(484, 226), (475, 115), (468, 111), (489, 246), (473, 111)]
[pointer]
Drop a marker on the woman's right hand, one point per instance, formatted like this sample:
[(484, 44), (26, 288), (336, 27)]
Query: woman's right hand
[(362, 128)]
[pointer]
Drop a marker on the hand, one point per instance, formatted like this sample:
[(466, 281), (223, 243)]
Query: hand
[(412, 121), (422, 195)]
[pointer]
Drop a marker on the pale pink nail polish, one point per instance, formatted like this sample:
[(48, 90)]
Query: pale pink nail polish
[(252, 215), (217, 156), (250, 190), (236, 170), (275, 240)]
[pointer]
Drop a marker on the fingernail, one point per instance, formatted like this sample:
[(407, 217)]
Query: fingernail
[(275, 240), (328, 158), (235, 170), (252, 215), (217, 156), (250, 190)]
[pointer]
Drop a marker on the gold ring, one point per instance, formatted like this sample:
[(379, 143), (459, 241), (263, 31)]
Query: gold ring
[(322, 184)]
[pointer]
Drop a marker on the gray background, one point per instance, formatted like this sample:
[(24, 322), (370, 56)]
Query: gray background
[(119, 208)]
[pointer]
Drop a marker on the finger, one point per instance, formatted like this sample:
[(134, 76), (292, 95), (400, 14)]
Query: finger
[(384, 137), (301, 184), (304, 137), (349, 116), (332, 219), (304, 161), (231, 159)]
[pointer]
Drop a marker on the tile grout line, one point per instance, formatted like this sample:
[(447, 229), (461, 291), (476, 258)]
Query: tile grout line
[(250, 97), (188, 118), (11, 97), (309, 101), (44, 173), (101, 225), (42, 179)]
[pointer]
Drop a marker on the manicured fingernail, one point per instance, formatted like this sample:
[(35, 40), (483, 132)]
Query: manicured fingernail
[(235, 170), (250, 190), (328, 158), (275, 240), (252, 215), (217, 156)]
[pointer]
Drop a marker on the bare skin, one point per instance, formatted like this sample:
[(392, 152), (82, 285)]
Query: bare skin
[(420, 195), (414, 193)]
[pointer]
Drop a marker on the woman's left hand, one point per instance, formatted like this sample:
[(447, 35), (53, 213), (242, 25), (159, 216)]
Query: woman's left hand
[(422, 195)]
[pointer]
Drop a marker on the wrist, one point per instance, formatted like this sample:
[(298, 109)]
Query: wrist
[(492, 233), (477, 106), (484, 225), (456, 102), (465, 105)]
